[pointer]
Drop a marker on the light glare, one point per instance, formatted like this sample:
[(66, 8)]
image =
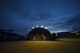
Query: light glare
[(46, 28), (32, 27), (41, 26), (36, 26)]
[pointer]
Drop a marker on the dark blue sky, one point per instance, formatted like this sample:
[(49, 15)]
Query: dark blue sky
[(57, 15)]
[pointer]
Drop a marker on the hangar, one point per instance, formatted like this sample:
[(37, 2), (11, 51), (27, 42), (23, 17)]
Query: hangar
[(39, 33)]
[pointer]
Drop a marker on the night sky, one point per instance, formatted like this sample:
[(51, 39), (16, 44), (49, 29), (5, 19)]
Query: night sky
[(57, 15)]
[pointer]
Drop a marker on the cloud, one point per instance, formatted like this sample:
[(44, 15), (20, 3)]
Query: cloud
[(24, 14), (73, 23), (18, 15)]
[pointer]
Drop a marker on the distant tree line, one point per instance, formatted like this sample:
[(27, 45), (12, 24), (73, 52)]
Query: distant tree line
[(8, 35)]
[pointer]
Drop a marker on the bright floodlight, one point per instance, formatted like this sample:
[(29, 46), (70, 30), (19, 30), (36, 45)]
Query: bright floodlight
[(32, 27), (41, 26), (36, 26), (46, 28)]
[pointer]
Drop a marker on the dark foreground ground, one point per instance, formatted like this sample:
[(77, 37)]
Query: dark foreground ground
[(59, 46)]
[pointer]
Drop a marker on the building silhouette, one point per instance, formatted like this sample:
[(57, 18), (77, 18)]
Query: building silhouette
[(8, 35), (39, 33)]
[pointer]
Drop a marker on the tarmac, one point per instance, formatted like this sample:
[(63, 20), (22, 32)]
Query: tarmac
[(58, 46)]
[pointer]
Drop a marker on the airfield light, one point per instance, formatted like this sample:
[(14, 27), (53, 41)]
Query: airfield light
[(32, 27), (37, 26), (41, 26), (46, 28)]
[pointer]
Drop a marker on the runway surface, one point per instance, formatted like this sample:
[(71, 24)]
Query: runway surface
[(59, 46)]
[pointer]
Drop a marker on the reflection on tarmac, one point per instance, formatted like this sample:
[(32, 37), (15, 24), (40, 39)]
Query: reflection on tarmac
[(59, 46)]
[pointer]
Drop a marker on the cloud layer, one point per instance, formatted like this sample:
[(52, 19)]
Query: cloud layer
[(73, 23), (22, 15)]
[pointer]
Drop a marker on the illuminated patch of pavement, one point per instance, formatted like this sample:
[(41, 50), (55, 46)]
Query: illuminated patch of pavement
[(59, 46)]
